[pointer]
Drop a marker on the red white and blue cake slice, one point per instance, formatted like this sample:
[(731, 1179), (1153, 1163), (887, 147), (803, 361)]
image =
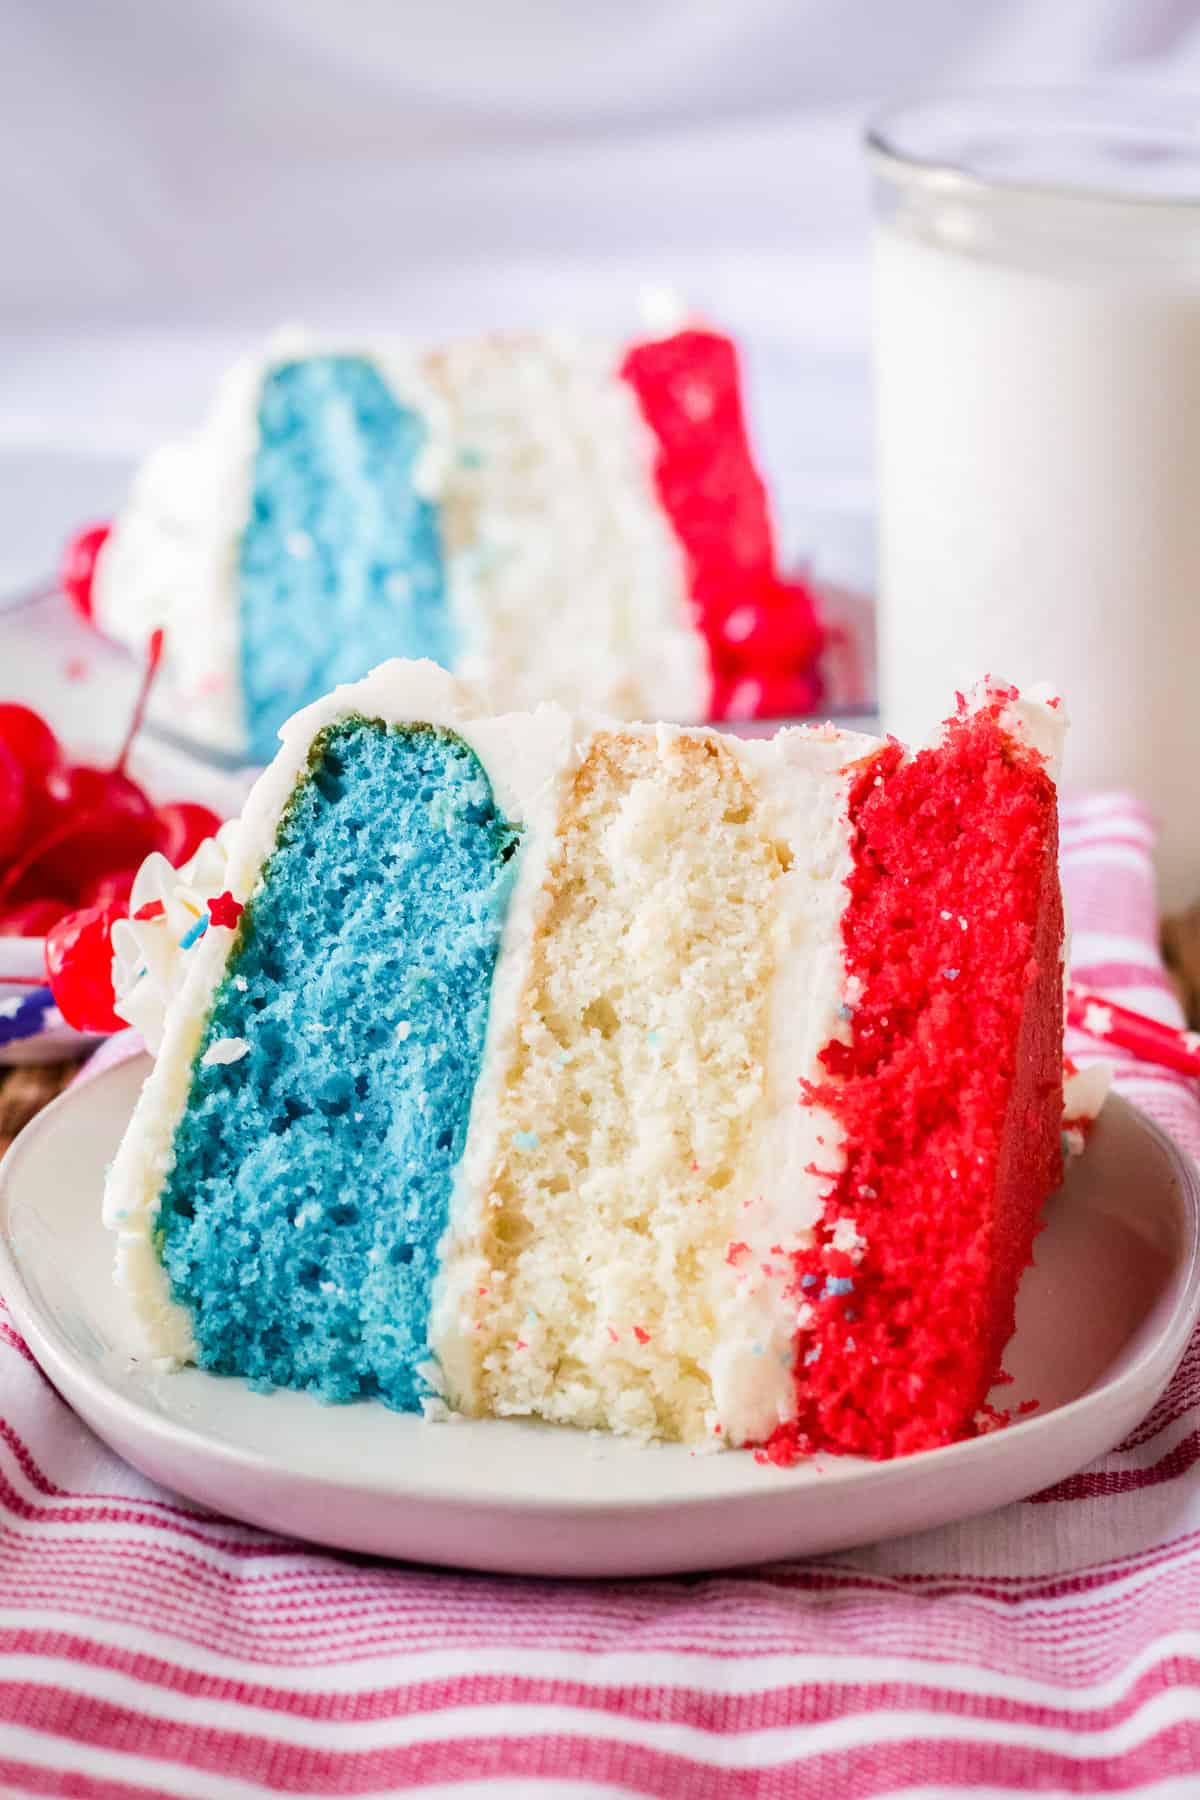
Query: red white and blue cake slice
[(551, 518), (634, 1077)]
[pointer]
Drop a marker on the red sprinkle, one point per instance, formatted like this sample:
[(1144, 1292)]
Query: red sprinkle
[(225, 910), (643, 1337), (612, 1334), (521, 1344), (735, 1251), (153, 909)]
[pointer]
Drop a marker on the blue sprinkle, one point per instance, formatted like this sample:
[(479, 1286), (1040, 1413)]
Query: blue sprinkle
[(809, 1281), (951, 974), (525, 1140), (786, 1359), (813, 1355), (196, 932), (838, 1284), (845, 1012), (470, 458), (652, 1037), (757, 1350)]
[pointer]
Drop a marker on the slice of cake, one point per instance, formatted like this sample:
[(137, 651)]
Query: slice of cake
[(626, 1076), (548, 517)]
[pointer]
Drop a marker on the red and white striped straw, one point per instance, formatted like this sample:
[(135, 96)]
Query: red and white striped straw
[(1133, 1032)]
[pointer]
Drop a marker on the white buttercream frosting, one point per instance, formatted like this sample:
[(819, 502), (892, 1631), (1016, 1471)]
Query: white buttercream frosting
[(150, 955)]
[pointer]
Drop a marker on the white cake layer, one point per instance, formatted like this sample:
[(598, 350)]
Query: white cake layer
[(564, 577), (564, 569)]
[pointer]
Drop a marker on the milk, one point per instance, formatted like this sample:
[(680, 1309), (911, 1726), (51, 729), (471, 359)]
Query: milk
[(1039, 468)]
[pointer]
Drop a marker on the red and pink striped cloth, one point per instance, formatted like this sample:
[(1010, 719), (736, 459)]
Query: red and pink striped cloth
[(147, 1648)]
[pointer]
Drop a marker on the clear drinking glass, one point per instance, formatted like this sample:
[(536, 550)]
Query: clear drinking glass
[(1037, 266)]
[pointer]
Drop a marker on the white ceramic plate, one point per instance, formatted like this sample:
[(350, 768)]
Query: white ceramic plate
[(1103, 1318)]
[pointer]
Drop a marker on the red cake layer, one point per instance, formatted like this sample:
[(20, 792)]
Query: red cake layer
[(762, 633), (949, 1093)]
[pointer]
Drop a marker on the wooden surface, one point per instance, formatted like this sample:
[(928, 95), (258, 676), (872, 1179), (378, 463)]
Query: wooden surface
[(1181, 948), (24, 1092)]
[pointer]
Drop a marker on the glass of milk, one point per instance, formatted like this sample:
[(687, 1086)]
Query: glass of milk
[(1037, 261)]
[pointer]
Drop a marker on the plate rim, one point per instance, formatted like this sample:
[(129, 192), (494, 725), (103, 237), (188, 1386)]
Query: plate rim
[(66, 1371)]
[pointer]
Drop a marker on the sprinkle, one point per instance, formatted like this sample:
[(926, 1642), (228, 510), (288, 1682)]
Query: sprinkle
[(809, 1281), (240, 983), (837, 1284), (757, 1350), (813, 1355), (850, 1344), (653, 1037), (945, 915), (1026, 1407), (224, 1050), (521, 1344), (695, 1167), (404, 1029), (786, 1359), (612, 1334), (194, 932), (735, 1251), (717, 1430), (643, 1337), (482, 1292), (153, 909), (525, 1140), (225, 911), (845, 1013)]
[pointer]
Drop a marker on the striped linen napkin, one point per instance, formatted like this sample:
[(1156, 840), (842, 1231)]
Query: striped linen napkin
[(148, 1648)]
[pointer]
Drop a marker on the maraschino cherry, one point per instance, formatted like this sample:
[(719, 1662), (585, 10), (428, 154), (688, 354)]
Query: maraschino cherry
[(182, 827), (79, 966), (79, 567), (72, 835)]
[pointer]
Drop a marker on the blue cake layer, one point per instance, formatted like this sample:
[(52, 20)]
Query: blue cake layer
[(340, 563), (312, 1177)]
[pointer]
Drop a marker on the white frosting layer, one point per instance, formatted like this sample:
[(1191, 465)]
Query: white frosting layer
[(804, 775), (564, 577), (150, 955)]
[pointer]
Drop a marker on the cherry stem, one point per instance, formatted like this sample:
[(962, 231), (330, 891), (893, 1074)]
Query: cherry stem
[(154, 650)]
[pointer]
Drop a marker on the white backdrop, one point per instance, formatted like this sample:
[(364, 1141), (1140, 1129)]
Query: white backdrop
[(179, 177)]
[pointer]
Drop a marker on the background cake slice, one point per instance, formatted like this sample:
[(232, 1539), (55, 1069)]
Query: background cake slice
[(630, 1077), (550, 517)]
